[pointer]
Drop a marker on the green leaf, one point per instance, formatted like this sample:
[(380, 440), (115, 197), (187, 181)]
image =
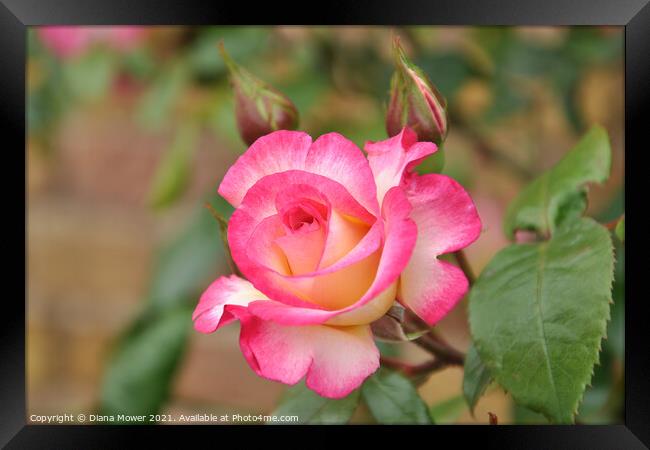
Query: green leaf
[(476, 378), (448, 411), (173, 172), (538, 313), (620, 229), (524, 416), (313, 409), (559, 193), (603, 400), (392, 399), (616, 329), (593, 408), (140, 372)]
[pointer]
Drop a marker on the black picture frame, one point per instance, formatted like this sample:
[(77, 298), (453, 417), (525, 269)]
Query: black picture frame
[(17, 15)]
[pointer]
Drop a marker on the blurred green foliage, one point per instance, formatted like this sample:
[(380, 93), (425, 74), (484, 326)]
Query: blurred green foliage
[(174, 168), (186, 263), (140, 371)]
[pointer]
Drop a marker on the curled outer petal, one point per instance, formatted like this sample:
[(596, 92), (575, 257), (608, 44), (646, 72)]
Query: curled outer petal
[(447, 221)]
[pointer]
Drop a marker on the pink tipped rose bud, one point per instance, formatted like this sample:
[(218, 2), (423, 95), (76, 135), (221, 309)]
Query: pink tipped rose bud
[(259, 108), (415, 102)]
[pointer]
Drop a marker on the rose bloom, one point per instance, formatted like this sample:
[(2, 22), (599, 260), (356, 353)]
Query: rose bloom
[(327, 240), (71, 41)]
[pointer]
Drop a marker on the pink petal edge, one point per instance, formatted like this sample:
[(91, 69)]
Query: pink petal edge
[(215, 306), (331, 156), (392, 160), (447, 221), (334, 361)]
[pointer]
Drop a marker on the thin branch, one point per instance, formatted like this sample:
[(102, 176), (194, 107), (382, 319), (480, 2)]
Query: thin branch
[(410, 369), (443, 351), (437, 346)]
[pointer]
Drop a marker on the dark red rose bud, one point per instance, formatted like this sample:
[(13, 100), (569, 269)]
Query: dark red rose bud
[(415, 102), (259, 108)]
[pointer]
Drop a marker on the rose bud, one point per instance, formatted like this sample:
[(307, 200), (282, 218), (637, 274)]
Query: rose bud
[(259, 108), (415, 102)]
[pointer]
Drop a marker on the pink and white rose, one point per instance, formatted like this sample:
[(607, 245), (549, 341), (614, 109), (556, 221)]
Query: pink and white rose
[(327, 240)]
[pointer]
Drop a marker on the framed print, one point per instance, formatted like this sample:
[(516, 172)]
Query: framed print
[(374, 218)]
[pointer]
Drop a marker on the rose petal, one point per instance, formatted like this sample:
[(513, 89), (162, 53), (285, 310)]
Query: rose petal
[(394, 158), (447, 221), (339, 159), (335, 361), (263, 246), (259, 204), (225, 292), (359, 315), (343, 235), (401, 233), (303, 250), (444, 212), (303, 212), (331, 156), (336, 289), (276, 152), (431, 288), (260, 199)]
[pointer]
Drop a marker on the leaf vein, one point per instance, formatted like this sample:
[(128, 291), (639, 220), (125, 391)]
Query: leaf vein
[(538, 298)]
